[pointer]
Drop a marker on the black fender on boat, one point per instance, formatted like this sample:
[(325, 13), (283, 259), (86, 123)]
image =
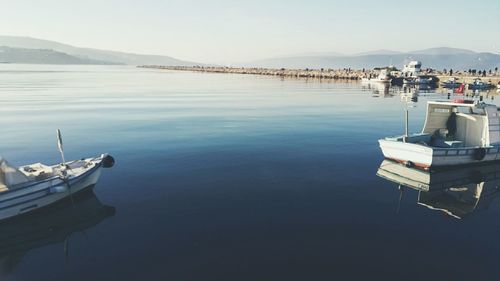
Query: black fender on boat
[(479, 153), (108, 161)]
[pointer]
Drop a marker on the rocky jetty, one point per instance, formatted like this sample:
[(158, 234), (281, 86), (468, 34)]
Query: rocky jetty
[(329, 74), (344, 74)]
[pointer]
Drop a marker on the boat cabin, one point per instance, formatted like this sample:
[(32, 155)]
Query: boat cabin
[(412, 69), (459, 124)]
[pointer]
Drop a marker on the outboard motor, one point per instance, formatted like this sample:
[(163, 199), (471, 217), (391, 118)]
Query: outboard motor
[(108, 161)]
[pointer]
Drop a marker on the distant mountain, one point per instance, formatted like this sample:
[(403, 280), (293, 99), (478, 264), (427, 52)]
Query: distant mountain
[(443, 51), (437, 58), (41, 56), (379, 52), (110, 57), (315, 54)]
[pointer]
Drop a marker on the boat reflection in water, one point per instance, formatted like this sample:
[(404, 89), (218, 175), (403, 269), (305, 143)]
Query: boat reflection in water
[(54, 224), (382, 90), (456, 192)]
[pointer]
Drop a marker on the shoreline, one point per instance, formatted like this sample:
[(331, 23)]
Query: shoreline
[(328, 74)]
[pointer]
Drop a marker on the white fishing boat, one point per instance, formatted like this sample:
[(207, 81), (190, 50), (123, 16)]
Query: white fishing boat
[(383, 77), (456, 132), (421, 80), (412, 74), (34, 186)]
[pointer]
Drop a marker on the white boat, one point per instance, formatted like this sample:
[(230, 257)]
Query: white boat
[(412, 69), (383, 77), (421, 80), (412, 75), (34, 186), (455, 133), (455, 192)]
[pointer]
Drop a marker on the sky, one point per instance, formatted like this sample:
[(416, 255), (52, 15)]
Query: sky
[(225, 31)]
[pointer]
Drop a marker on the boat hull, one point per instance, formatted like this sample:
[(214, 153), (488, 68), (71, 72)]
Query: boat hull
[(42, 194), (451, 85), (427, 157), (480, 86)]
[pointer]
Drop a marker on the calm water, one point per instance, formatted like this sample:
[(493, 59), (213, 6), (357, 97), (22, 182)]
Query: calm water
[(226, 177)]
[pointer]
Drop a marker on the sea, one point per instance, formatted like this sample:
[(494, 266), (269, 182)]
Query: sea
[(234, 177)]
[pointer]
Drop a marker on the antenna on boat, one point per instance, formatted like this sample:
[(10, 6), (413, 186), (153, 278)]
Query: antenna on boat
[(408, 101), (63, 175), (60, 146), (406, 124)]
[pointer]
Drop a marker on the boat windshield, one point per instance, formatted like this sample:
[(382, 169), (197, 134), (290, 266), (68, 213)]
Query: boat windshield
[(10, 175)]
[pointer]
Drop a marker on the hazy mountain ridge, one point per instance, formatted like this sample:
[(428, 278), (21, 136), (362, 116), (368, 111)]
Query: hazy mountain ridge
[(438, 58), (103, 56), (41, 56)]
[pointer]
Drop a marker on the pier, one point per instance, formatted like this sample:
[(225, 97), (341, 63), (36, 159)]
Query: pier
[(327, 74), (340, 74)]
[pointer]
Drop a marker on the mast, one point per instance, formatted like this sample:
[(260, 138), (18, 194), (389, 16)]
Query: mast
[(406, 125)]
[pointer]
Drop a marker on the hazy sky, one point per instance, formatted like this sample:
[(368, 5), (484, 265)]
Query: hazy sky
[(225, 31)]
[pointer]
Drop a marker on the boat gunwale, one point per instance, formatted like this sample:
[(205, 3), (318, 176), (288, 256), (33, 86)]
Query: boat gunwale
[(23, 185), (438, 148), (70, 181)]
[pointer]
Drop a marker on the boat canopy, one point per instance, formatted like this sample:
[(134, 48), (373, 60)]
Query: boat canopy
[(10, 175), (475, 124)]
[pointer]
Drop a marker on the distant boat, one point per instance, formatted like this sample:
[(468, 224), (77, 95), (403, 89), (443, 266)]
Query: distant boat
[(451, 83), (383, 77), (455, 133), (34, 186), (421, 80), (480, 85), (412, 75)]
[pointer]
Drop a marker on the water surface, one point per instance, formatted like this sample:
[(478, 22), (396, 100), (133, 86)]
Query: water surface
[(227, 177)]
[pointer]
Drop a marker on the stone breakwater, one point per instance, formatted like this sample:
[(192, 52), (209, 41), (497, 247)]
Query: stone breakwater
[(327, 74), (344, 74)]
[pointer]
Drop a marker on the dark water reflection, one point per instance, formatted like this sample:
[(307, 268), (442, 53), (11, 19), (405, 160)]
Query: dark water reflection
[(53, 225), (228, 177), (457, 192)]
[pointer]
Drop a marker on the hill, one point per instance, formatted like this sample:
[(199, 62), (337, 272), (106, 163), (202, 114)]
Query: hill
[(41, 56), (109, 57), (437, 58)]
